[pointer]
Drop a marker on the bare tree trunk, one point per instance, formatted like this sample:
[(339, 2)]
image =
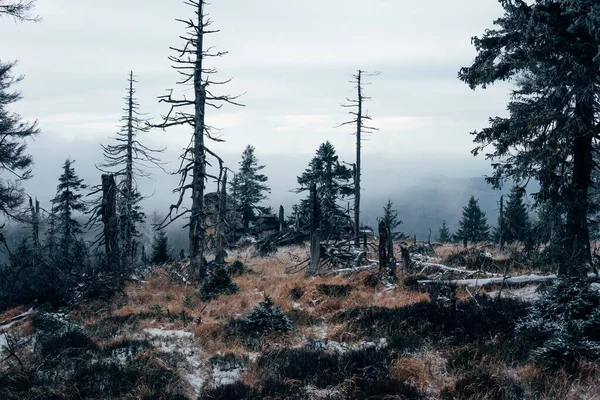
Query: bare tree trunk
[(35, 222), (127, 234), (406, 261), (109, 218), (384, 255), (197, 218), (220, 256), (281, 218), (315, 233), (501, 228)]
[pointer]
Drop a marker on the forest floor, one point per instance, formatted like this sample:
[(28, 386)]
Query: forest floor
[(350, 337)]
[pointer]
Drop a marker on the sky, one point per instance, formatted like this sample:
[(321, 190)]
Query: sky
[(290, 60)]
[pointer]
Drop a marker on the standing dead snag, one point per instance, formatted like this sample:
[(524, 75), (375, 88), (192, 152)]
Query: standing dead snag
[(387, 263), (128, 160), (35, 222), (189, 62), (110, 221), (359, 116), (315, 232), (222, 216)]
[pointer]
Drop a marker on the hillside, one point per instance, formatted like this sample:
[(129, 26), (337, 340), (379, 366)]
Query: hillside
[(336, 337)]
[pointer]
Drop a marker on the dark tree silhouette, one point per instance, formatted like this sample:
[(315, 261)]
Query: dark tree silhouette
[(444, 235), (552, 123), (67, 202), (332, 180), (15, 163), (473, 226), (249, 186)]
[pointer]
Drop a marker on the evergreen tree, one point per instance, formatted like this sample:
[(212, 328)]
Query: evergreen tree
[(334, 182), (249, 186), (473, 226), (160, 248), (68, 201), (15, 163), (516, 218), (551, 49), (444, 235), (390, 216)]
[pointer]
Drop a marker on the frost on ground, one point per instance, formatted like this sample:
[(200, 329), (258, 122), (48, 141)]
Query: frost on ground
[(187, 356)]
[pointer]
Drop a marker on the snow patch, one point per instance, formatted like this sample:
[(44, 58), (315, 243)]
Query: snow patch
[(168, 334)]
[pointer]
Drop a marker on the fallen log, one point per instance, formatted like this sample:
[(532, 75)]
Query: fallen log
[(445, 268), (10, 322), (509, 280), (354, 270)]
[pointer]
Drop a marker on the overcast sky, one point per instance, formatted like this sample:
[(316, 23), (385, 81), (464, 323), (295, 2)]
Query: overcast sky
[(291, 59)]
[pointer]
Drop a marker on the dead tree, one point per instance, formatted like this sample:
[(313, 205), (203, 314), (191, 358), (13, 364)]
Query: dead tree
[(19, 10), (35, 222), (501, 224), (281, 218), (189, 61), (222, 216), (129, 159), (110, 221), (359, 119), (387, 263), (315, 232)]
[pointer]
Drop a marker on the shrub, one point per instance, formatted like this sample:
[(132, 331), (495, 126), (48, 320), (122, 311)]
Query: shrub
[(482, 385), (228, 361), (297, 293), (564, 325), (413, 325), (217, 283), (371, 280), (237, 268), (412, 281), (285, 371), (263, 319), (232, 391), (334, 290)]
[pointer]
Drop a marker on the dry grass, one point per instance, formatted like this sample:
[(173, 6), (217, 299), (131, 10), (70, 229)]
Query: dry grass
[(425, 371)]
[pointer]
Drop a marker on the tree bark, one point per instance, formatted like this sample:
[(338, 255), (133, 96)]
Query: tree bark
[(35, 222), (359, 124), (281, 218), (127, 234), (220, 234), (315, 233), (386, 253), (578, 251), (197, 218)]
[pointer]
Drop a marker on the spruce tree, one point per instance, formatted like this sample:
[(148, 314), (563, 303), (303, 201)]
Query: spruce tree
[(334, 182), (390, 216), (160, 248), (550, 50), (67, 202), (15, 163), (249, 186), (516, 218), (444, 235), (473, 226)]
